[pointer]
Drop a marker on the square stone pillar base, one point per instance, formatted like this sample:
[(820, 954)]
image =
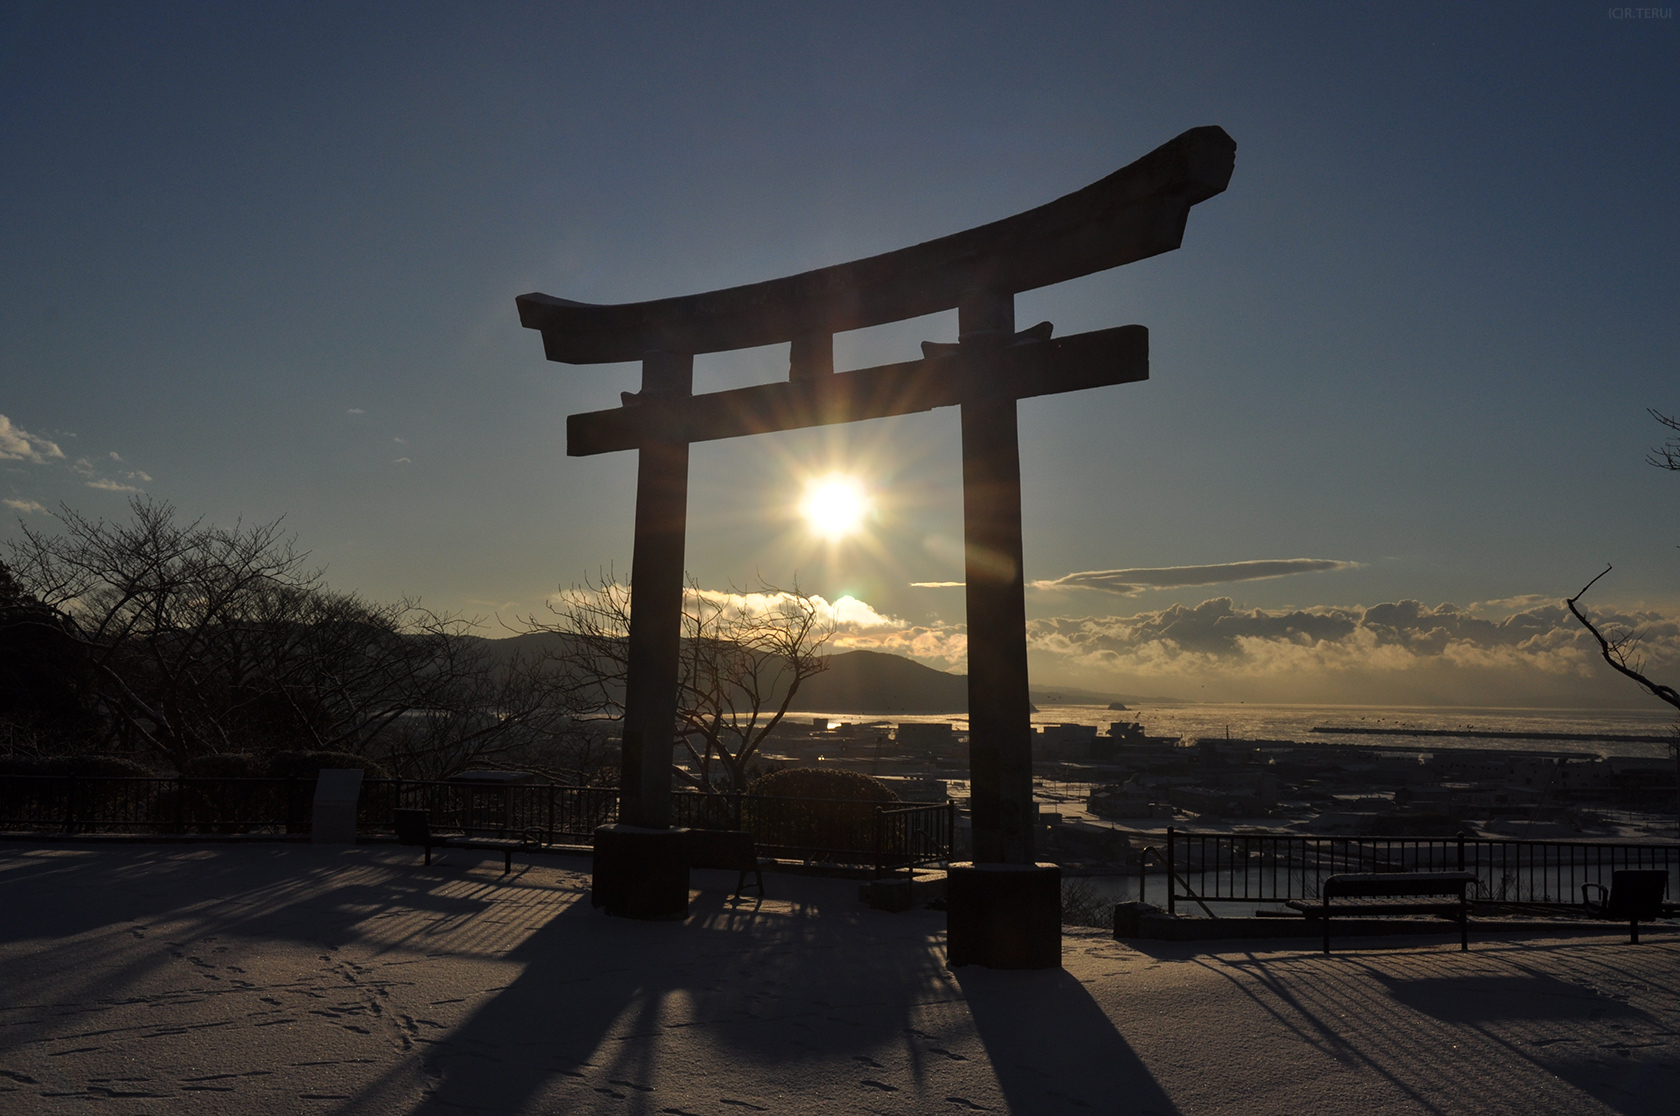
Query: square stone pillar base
[(641, 873), (1004, 916)]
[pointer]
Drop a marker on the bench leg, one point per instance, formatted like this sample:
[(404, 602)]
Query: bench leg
[(1633, 931), (741, 881), (1463, 932), (428, 856), (507, 861)]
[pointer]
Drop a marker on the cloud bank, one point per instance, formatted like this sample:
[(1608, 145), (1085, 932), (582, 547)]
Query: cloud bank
[(1523, 652), (1402, 651), (844, 614), (1134, 581)]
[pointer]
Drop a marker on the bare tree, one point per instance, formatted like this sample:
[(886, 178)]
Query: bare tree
[(593, 623), (744, 657), (1620, 649), (747, 656), (150, 604), (205, 640)]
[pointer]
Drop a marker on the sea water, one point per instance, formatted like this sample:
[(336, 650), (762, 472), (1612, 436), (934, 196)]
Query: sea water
[(1245, 721)]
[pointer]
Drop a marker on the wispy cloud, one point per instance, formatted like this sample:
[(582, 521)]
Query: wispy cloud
[(27, 507), (858, 626), (845, 614), (108, 473), (355, 411), (403, 461), (93, 475), (854, 625), (18, 444), (1133, 581), (937, 584)]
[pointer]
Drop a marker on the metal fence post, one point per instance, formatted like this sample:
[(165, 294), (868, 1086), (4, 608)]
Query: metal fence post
[(1172, 899), (1461, 851)]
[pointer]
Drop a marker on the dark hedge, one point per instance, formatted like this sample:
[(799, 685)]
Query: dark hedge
[(813, 782)]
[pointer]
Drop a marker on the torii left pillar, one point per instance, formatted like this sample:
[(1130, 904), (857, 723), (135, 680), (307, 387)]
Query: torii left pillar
[(641, 863)]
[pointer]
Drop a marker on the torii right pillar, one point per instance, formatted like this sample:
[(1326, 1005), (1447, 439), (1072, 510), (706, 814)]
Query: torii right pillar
[(1003, 909)]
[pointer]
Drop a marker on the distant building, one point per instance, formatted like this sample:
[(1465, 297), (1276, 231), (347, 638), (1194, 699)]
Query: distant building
[(934, 738), (1071, 743)]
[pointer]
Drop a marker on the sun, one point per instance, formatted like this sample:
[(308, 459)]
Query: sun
[(834, 506)]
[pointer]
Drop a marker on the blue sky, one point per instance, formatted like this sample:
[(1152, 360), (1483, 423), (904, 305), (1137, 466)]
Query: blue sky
[(267, 257)]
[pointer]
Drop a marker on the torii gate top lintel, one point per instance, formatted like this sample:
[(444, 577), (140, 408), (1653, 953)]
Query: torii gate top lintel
[(1138, 211)]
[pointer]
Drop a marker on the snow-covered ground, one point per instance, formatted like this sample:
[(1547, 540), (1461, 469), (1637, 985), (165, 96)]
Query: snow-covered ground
[(289, 978)]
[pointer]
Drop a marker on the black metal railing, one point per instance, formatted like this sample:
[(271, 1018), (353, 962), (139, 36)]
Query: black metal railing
[(908, 837), (1223, 867), (828, 830), (818, 831), (551, 813), (127, 804)]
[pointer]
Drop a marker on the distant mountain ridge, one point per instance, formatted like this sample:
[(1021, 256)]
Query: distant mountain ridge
[(874, 682), (865, 682)]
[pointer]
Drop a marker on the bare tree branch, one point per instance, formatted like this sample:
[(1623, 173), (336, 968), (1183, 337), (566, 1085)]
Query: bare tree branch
[(1667, 455), (1616, 650)]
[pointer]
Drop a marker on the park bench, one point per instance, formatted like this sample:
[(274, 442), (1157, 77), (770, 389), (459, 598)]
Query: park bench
[(1353, 894), (415, 828), (1635, 894), (733, 850)]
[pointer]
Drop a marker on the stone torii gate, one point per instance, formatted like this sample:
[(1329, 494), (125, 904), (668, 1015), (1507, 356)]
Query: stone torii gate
[(1004, 908)]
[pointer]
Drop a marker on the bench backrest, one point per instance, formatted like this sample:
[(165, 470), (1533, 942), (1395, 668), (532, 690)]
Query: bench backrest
[(412, 827), (1363, 884), (721, 848), (1636, 893)]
